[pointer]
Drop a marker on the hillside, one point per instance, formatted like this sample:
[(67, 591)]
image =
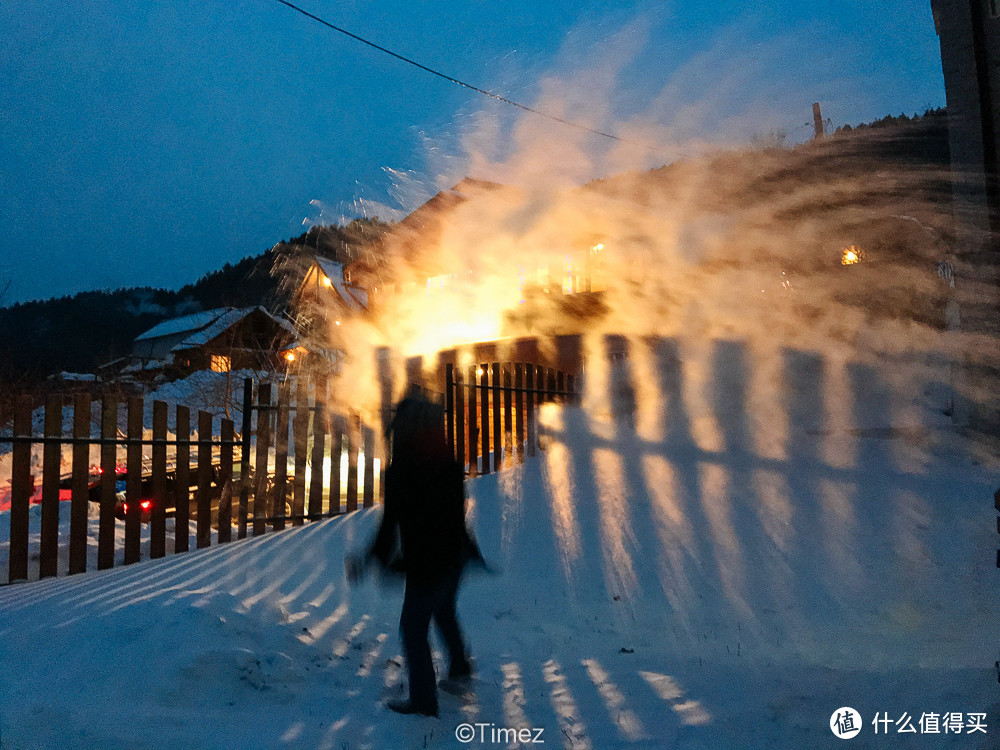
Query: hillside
[(77, 333)]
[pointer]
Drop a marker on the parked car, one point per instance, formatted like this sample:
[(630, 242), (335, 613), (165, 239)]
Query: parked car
[(94, 488)]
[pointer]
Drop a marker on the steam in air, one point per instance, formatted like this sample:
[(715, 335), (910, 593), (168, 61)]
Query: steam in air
[(705, 221)]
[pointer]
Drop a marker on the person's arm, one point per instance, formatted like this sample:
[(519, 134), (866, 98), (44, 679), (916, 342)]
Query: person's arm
[(383, 545)]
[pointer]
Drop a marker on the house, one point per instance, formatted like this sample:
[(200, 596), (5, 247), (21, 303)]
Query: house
[(221, 340), (320, 304), (502, 246)]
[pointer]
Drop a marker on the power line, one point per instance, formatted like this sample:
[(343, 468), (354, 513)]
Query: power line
[(458, 82)]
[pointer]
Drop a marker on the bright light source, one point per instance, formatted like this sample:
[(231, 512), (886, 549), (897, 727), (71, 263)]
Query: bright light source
[(337, 322), (327, 282), (290, 356), (221, 363), (851, 255)]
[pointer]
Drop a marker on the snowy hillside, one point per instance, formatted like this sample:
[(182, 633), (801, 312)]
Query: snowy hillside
[(720, 558)]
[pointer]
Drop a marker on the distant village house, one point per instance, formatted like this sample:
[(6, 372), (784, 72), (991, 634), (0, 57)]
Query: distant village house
[(220, 340)]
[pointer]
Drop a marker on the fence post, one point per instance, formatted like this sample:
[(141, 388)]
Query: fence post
[(300, 449), (203, 497), (81, 472), (227, 436), (353, 440), (51, 460), (484, 416), (459, 402), (519, 410), (319, 428), (260, 464), (497, 438), (158, 522), (368, 438), (277, 505), (20, 494), (182, 481), (133, 480), (109, 470), (529, 408), (473, 425), (245, 456), (339, 426), (508, 423), (449, 405)]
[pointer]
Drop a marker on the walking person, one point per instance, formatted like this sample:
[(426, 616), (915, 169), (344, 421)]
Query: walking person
[(423, 535)]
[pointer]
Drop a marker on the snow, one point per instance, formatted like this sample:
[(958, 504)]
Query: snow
[(227, 318), (724, 566), (193, 322)]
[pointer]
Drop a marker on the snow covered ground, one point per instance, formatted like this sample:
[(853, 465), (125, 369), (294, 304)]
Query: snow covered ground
[(759, 542)]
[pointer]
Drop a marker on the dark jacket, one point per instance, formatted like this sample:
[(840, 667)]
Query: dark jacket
[(423, 531)]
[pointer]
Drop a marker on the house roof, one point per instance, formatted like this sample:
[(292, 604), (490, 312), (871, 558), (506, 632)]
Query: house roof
[(354, 298), (204, 326), (174, 326), (224, 322)]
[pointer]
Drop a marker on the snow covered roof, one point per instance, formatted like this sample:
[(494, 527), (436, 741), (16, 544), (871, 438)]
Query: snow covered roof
[(173, 326), (355, 298), (149, 364), (228, 318), (80, 376), (205, 326), (333, 269)]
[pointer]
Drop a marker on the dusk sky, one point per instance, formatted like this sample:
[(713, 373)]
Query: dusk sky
[(146, 144)]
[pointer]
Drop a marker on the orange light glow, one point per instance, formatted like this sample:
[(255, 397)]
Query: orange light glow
[(290, 356), (851, 255), (327, 282)]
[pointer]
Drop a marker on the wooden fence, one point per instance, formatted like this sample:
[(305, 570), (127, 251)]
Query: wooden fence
[(210, 482), (292, 460), (491, 418)]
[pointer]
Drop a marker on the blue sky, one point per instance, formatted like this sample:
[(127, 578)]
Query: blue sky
[(149, 143)]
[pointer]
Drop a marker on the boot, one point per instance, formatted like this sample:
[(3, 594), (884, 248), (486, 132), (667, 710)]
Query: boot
[(401, 706)]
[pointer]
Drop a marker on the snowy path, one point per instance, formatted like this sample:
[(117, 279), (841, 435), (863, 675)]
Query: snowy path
[(681, 578)]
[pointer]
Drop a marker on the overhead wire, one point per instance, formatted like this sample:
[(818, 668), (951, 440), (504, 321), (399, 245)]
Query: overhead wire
[(458, 82)]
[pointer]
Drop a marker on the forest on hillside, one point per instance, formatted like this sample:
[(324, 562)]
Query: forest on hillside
[(78, 333)]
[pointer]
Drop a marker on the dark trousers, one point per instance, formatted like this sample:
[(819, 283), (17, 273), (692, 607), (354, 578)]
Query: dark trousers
[(425, 599)]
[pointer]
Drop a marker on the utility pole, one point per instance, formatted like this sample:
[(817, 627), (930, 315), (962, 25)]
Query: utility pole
[(818, 121)]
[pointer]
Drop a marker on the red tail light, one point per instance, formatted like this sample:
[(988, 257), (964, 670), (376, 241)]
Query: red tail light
[(143, 505)]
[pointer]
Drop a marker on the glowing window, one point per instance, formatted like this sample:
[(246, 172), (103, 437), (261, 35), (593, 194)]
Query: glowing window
[(221, 363)]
